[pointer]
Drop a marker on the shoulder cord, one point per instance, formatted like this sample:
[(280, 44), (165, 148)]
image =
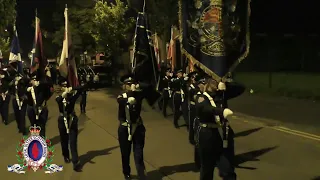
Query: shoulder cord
[(131, 127), (217, 119)]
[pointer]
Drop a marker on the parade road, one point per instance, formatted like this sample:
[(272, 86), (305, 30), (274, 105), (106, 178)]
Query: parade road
[(262, 152)]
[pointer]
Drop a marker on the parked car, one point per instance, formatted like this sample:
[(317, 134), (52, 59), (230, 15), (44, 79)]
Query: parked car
[(103, 74)]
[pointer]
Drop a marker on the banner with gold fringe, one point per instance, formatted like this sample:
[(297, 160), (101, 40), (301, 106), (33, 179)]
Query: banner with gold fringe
[(215, 34)]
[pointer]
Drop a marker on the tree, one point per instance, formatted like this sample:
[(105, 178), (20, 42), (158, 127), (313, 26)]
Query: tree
[(110, 26), (162, 14), (7, 14), (80, 24), (5, 46)]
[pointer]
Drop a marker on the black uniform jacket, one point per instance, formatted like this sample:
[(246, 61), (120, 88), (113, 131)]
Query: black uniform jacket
[(71, 100), (205, 111), (134, 110)]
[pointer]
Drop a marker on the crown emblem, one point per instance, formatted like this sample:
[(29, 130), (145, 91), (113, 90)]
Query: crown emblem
[(35, 130), (216, 2)]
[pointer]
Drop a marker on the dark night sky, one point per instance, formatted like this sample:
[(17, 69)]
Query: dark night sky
[(26, 15), (270, 16)]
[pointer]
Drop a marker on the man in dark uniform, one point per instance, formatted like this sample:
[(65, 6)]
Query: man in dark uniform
[(227, 91), (210, 133), (5, 80), (131, 129), (68, 122), (19, 100), (195, 80), (39, 92), (53, 70), (166, 91), (179, 90), (84, 94)]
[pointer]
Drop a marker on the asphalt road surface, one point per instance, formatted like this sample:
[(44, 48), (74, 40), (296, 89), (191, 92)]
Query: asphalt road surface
[(263, 152)]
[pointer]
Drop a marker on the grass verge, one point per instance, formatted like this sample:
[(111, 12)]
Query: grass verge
[(296, 85)]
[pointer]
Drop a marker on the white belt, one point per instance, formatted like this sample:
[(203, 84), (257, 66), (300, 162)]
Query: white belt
[(4, 95)]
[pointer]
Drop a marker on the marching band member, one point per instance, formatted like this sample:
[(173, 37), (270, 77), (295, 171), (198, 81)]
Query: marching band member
[(5, 80), (68, 122), (19, 86), (166, 92), (39, 92), (210, 133), (131, 129), (179, 90)]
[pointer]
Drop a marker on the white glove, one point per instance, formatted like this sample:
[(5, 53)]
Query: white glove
[(131, 100), (48, 73), (35, 83), (222, 86), (171, 74), (64, 94), (133, 87), (69, 89), (137, 86), (186, 78), (227, 112), (29, 89), (184, 75), (2, 76)]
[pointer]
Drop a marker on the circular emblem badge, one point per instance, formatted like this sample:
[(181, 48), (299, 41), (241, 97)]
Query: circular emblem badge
[(212, 31), (211, 20), (35, 151)]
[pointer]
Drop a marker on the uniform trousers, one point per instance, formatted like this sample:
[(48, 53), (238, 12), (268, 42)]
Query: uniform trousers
[(83, 102), (20, 115), (41, 121), (192, 116), (165, 101), (193, 138), (138, 140), (213, 154), (177, 101), (69, 139), (4, 108)]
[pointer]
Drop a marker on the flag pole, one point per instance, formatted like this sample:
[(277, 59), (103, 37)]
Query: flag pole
[(144, 6), (152, 54), (66, 34)]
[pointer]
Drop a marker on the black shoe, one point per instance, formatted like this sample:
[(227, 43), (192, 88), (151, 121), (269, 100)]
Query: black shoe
[(84, 111), (176, 126), (127, 177), (77, 167), (5, 122), (66, 160)]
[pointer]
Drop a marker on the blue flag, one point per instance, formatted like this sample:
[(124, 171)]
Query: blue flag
[(15, 51), (144, 65), (215, 34)]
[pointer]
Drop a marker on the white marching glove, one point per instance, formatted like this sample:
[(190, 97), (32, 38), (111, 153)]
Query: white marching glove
[(186, 78), (185, 75), (64, 94), (2, 76), (69, 89), (171, 74), (131, 100), (133, 87), (35, 83), (222, 86), (227, 112), (137, 86), (29, 89)]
